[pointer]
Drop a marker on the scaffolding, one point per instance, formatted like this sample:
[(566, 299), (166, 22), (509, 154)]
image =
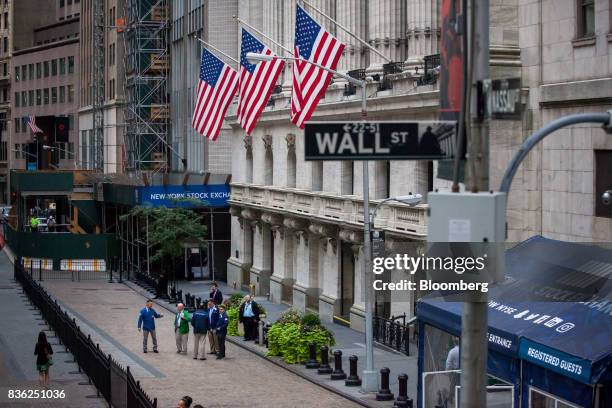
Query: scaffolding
[(98, 33), (147, 66)]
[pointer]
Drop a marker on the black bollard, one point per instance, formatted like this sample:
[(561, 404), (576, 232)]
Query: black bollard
[(179, 296), (338, 373), (312, 356), (402, 400), (384, 394), (353, 379), (198, 302), (120, 272), (173, 295), (324, 368), (266, 329)]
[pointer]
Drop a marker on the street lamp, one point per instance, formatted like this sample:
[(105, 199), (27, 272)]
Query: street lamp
[(369, 375), (68, 153)]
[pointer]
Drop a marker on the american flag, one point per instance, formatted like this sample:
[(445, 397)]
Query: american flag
[(216, 89), (312, 43), (256, 81), (32, 124)]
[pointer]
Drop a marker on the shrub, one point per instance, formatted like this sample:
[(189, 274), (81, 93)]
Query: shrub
[(232, 326), (311, 319), (235, 299), (289, 316)]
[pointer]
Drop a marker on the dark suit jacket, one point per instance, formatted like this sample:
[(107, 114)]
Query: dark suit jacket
[(217, 297), (254, 307)]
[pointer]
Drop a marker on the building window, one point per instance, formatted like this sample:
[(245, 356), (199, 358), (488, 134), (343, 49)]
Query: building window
[(46, 96), (38, 70), (62, 94), (111, 54), (24, 72), (6, 20), (585, 22), (69, 2), (62, 66), (71, 65), (5, 44), (111, 89), (603, 181), (54, 67), (17, 127), (24, 124), (31, 97), (70, 93), (17, 149), (5, 94), (30, 71), (61, 3), (5, 69), (46, 68), (38, 97), (16, 99), (16, 74), (54, 95), (24, 98)]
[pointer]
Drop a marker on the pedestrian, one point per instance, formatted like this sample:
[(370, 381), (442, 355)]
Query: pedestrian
[(43, 352), (215, 294), (146, 321), (51, 224), (249, 316), (161, 290), (452, 358), (213, 318), (34, 224), (199, 321), (181, 328), (184, 402), (221, 331)]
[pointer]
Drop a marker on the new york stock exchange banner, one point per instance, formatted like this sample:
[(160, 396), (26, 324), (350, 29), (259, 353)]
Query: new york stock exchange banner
[(190, 196)]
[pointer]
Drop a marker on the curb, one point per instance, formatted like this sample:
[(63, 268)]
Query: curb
[(293, 370)]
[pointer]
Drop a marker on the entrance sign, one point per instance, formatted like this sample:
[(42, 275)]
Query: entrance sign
[(504, 100), (209, 195), (379, 140)]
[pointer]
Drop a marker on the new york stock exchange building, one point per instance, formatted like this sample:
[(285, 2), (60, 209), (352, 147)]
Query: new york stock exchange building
[(297, 226)]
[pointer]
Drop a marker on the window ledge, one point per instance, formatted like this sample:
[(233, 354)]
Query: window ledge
[(584, 41), (609, 36)]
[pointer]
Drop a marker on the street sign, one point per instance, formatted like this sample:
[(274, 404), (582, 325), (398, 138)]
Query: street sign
[(379, 140), (504, 100)]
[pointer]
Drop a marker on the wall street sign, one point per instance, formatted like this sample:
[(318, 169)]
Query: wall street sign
[(379, 140), (504, 100)]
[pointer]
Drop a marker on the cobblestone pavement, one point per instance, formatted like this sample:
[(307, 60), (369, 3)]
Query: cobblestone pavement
[(20, 324), (109, 313)]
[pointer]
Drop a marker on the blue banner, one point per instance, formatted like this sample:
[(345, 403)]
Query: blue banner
[(210, 195), (555, 360)]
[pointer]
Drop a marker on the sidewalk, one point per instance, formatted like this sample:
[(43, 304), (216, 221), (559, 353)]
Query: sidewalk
[(20, 325), (109, 311), (350, 341)]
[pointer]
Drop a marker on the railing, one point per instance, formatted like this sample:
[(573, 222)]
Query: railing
[(115, 384), (393, 217), (41, 269), (392, 333), (431, 64)]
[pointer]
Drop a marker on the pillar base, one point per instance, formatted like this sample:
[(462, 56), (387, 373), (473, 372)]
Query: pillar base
[(261, 279), (357, 318), (276, 288), (328, 308), (234, 272), (369, 381)]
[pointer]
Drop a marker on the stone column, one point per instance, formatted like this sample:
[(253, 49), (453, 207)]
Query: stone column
[(409, 177), (272, 21), (283, 276), (260, 271), (352, 15), (329, 270), (386, 31), (422, 32), (357, 311), (236, 260)]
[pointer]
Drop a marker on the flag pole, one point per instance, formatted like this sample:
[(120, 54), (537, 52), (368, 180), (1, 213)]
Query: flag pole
[(346, 30), (216, 49), (244, 23)]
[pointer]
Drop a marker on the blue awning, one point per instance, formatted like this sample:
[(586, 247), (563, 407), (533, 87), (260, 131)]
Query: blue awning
[(568, 337)]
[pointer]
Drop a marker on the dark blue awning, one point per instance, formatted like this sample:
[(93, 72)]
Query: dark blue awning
[(568, 337)]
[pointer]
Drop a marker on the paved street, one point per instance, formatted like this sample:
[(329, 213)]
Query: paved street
[(109, 312), (20, 325)]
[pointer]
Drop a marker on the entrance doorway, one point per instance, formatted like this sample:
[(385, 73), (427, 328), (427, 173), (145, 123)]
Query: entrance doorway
[(347, 280)]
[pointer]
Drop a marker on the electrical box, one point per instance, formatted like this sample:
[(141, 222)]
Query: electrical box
[(475, 218)]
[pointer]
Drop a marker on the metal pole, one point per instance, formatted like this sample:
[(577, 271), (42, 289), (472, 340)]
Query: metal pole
[(212, 245), (369, 375), (475, 314)]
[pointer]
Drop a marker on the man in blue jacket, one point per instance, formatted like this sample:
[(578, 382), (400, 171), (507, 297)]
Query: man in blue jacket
[(146, 321), (199, 321), (221, 331)]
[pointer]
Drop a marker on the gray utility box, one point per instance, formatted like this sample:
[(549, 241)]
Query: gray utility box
[(476, 218)]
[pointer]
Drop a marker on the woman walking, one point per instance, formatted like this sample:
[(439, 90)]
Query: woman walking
[(43, 352)]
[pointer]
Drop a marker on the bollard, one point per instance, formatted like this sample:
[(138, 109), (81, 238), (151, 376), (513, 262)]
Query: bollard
[(110, 279), (198, 302), (179, 296), (39, 270), (338, 373), (173, 295), (384, 393), (312, 357), (120, 272), (266, 329), (187, 299), (402, 400), (353, 379), (260, 332), (324, 367)]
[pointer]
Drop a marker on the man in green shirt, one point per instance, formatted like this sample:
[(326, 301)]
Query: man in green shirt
[(181, 328)]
